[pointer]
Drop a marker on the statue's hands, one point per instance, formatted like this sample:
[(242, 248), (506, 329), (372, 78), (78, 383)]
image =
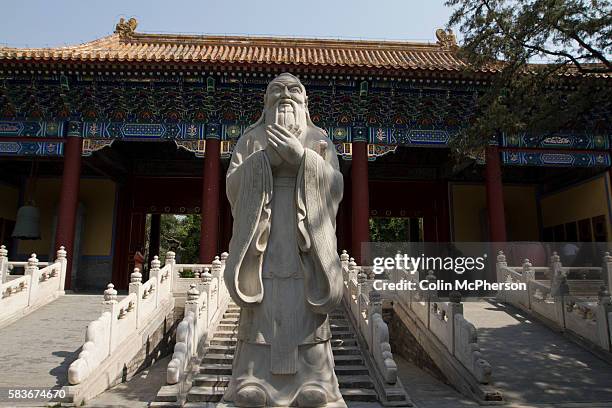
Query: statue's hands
[(285, 142)]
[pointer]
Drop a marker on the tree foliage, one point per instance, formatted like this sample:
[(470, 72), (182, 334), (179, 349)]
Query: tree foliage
[(389, 229), (181, 233), (552, 63)]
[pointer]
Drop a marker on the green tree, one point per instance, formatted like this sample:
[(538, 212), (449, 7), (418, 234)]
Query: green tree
[(181, 233), (551, 60), (389, 229)]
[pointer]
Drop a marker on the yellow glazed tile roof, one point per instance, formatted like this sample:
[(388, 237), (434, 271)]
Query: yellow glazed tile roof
[(126, 45)]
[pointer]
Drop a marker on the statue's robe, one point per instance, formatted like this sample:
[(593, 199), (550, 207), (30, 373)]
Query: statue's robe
[(283, 269)]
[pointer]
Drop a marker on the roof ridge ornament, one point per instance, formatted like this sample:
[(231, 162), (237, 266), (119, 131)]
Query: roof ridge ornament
[(446, 38), (125, 29)]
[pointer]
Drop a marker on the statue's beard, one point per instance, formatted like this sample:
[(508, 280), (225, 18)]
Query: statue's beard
[(287, 113)]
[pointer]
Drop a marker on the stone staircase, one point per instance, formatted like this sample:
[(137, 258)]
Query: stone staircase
[(210, 381)]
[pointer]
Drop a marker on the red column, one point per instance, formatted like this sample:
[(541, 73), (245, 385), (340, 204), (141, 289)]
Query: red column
[(495, 196), (360, 198), (69, 196), (209, 233)]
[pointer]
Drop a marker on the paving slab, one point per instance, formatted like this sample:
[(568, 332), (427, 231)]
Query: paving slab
[(37, 349), (138, 392), (534, 365), (426, 391)]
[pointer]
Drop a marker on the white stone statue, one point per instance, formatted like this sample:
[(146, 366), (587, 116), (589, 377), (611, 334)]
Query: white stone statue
[(283, 270)]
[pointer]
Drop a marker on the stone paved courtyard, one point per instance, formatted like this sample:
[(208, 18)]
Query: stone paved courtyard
[(38, 348), (533, 364)]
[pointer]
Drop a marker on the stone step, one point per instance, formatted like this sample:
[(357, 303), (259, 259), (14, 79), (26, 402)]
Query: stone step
[(359, 394), (211, 380), (216, 369), (231, 314), (343, 342), (349, 359), (342, 370), (355, 381), (342, 334), (219, 349), (227, 327), (205, 394), (221, 381), (223, 341), (167, 393), (217, 359), (224, 334), (163, 404), (344, 350), (229, 321)]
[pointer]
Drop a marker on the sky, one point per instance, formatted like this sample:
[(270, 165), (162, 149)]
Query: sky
[(45, 23)]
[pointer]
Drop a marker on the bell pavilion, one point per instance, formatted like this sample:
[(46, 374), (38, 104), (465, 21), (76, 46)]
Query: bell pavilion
[(97, 138)]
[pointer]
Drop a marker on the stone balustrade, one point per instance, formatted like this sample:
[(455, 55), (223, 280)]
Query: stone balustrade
[(121, 320), (186, 274), (365, 305), (37, 287), (445, 320), (207, 299), (553, 301)]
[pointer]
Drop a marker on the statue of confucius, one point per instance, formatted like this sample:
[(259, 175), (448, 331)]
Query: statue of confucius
[(283, 269)]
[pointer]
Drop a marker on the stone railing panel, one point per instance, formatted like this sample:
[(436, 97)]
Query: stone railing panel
[(206, 301), (34, 289), (95, 349), (183, 349), (144, 302), (15, 295), (446, 322), (542, 302), (365, 305), (467, 350)]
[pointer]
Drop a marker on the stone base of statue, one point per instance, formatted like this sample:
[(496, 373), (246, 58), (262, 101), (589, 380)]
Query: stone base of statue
[(314, 383)]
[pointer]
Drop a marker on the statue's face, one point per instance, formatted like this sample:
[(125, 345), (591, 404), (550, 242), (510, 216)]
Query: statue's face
[(285, 102)]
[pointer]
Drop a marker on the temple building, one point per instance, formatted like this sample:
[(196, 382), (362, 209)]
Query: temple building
[(103, 136)]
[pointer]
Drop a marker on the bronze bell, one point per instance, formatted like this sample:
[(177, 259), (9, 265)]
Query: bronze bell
[(27, 225)]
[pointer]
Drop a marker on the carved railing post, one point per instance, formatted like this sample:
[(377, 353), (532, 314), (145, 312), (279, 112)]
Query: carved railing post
[(61, 257), (110, 305), (206, 284), (361, 278), (223, 258), (607, 270), (171, 260), (454, 307), (500, 265), (136, 288), (344, 262), (191, 305), (374, 306), (556, 273), (431, 295), (31, 269), (603, 310), (528, 276), (216, 273), (154, 273), (3, 263)]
